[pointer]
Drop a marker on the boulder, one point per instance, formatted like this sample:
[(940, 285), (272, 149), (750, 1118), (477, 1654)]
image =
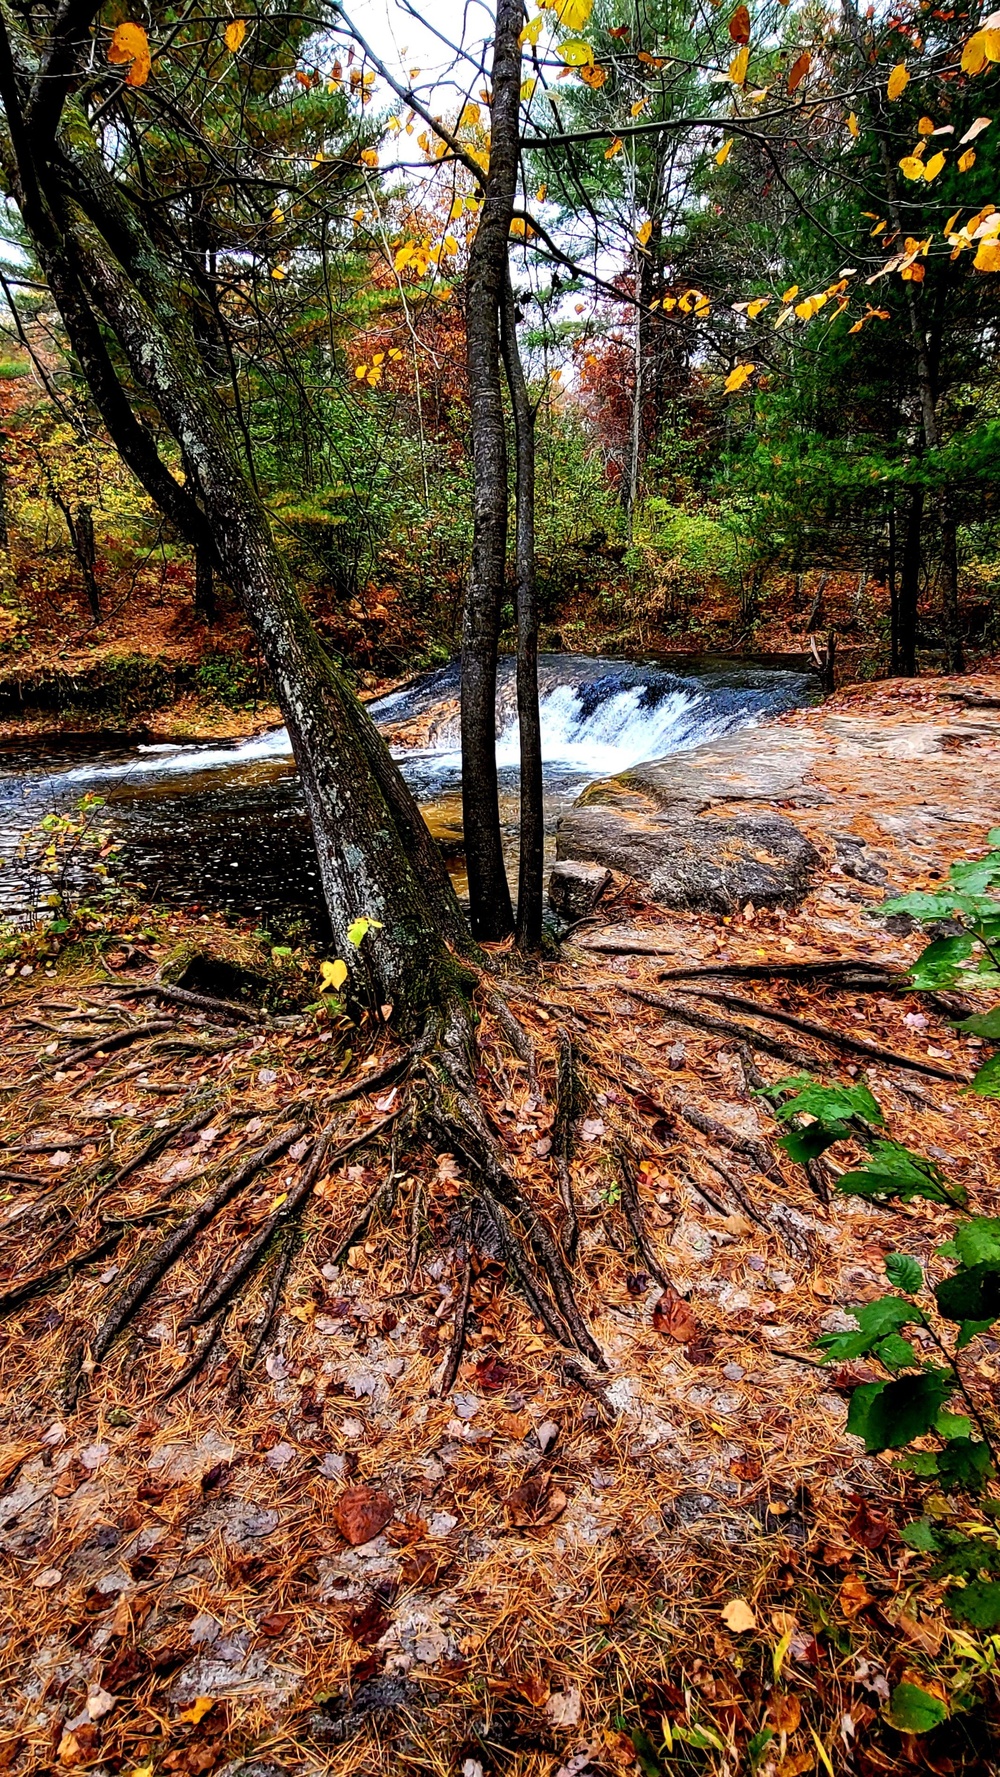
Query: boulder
[(575, 888), (715, 863)]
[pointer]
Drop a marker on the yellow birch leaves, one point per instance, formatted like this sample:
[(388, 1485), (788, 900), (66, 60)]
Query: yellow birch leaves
[(130, 47), (983, 46), (234, 34), (724, 152), (898, 81), (740, 374)]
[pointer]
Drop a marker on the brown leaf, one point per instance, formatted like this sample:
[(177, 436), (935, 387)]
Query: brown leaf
[(854, 1595), (927, 1636), (739, 25), (798, 70), (536, 1502), (423, 1568), (275, 1624), (673, 1317), (785, 1711), (361, 1513), (493, 1376), (369, 1622), (868, 1528)]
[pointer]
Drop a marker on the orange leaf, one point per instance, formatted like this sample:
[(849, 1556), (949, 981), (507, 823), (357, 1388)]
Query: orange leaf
[(234, 34), (130, 44), (898, 81), (798, 70)]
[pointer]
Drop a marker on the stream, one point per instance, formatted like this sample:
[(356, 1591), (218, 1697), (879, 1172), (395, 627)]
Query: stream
[(222, 827)]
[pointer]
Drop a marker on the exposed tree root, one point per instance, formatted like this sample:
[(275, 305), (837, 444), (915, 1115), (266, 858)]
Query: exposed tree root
[(381, 1201), (196, 1002), (722, 1027), (163, 1138), (515, 1033), (834, 1039), (154, 1027), (562, 1139), (386, 1076), (816, 1171), (196, 1363), (632, 1210), (453, 1356), (453, 1115), (177, 1241), (809, 969)]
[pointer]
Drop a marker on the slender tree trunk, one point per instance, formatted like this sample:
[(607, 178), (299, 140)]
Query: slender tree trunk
[(489, 893), (893, 590), (909, 586), (86, 555), (530, 866), (204, 587), (951, 612)]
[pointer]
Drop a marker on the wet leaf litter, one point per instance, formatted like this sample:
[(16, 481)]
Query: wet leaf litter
[(308, 1553)]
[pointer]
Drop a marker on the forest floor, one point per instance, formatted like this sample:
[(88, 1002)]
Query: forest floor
[(313, 1561)]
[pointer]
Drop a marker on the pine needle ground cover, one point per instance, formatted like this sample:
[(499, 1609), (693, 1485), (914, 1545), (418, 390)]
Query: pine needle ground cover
[(324, 1496)]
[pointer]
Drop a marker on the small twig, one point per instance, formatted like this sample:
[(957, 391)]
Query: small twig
[(562, 1140), (386, 1076), (632, 1211), (106, 1045)]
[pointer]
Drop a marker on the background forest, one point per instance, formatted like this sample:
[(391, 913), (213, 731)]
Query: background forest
[(683, 499)]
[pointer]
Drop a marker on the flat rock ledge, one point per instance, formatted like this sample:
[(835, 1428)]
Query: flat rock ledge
[(649, 823)]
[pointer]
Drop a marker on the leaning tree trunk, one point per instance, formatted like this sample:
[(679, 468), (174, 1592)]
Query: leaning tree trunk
[(530, 866), (489, 894), (376, 857)]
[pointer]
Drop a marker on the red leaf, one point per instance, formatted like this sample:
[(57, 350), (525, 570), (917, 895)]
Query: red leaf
[(868, 1528), (361, 1513), (799, 70), (673, 1317)]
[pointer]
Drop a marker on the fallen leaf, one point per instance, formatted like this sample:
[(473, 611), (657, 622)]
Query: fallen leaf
[(199, 1708), (49, 1577), (275, 1624), (927, 1636), (361, 1513), (868, 1528), (785, 1711), (564, 1708), (536, 1502), (854, 1595), (673, 1317), (738, 1616)]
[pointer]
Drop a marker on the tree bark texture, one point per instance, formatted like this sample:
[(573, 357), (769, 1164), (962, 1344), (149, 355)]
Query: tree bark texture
[(532, 835), (376, 857), (489, 894)]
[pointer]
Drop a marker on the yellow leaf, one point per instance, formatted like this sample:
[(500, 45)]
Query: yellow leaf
[(642, 234), (852, 124), (575, 53), (616, 148), (521, 229), (821, 1749), (798, 70), (967, 160), (540, 194), (640, 105), (805, 309), (370, 157), (897, 82), (778, 1659), (724, 152), (912, 167), (757, 306), (856, 328), (403, 256), (934, 166), (925, 127), (737, 1615), (470, 115), (358, 932), (130, 44), (450, 244), (199, 1708), (573, 13), (278, 272), (277, 215), (532, 31), (360, 371), (333, 975), (527, 90), (950, 224), (987, 255), (983, 47), (234, 34), (739, 64)]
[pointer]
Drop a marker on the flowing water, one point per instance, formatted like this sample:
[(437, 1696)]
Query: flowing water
[(221, 826)]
